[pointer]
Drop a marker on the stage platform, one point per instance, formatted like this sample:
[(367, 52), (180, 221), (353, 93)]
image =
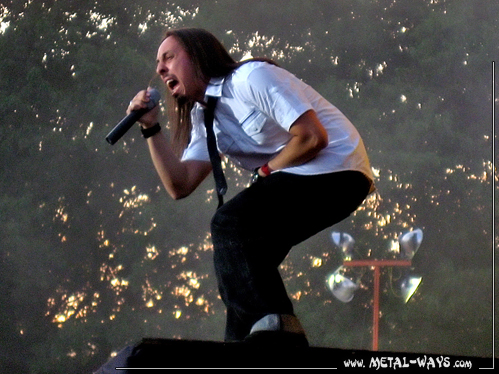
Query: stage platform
[(152, 355)]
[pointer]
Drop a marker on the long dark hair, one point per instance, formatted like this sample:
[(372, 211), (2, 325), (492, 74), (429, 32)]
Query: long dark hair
[(211, 60)]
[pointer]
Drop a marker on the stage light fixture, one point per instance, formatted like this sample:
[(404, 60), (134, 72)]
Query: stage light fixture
[(409, 243), (345, 242), (409, 286), (341, 286)]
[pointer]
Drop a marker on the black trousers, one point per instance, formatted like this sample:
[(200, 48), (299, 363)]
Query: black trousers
[(253, 233)]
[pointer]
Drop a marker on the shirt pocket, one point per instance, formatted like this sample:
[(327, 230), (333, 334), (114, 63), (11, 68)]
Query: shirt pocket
[(253, 124)]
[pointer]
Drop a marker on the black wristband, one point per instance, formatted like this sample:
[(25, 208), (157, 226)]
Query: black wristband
[(150, 131)]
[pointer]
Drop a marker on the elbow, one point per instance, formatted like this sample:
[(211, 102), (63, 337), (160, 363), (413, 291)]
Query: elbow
[(176, 192), (183, 186), (321, 143), (318, 142), (310, 132), (178, 195)]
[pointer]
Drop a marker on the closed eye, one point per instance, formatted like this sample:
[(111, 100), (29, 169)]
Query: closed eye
[(166, 56)]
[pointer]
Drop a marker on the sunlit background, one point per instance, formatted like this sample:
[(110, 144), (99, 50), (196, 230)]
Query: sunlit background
[(94, 254)]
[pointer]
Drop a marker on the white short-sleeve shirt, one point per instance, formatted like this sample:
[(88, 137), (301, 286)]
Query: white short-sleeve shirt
[(258, 103)]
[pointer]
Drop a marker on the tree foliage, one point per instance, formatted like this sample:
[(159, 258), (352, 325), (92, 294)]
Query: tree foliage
[(95, 256)]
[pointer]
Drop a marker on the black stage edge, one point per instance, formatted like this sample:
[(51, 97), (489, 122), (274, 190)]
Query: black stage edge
[(156, 355)]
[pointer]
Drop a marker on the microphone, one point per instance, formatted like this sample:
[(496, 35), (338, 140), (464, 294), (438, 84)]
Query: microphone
[(126, 123)]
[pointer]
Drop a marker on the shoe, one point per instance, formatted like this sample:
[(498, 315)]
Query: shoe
[(282, 330)]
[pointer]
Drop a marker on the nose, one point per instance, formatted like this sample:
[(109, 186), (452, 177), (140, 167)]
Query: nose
[(161, 69)]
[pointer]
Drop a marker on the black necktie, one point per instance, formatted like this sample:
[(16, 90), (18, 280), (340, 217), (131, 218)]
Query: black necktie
[(216, 162)]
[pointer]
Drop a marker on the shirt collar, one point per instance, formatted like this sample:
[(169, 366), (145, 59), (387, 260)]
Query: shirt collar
[(215, 87)]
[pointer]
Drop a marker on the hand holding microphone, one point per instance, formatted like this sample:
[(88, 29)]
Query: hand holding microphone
[(126, 123)]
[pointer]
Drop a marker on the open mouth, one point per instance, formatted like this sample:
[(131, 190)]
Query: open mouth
[(172, 84)]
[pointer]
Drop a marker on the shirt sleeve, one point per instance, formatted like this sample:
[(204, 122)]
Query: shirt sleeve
[(278, 94)]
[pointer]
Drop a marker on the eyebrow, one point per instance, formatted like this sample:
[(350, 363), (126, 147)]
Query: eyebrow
[(161, 58)]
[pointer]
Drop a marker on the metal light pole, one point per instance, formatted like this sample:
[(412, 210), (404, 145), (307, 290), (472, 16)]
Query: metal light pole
[(376, 265)]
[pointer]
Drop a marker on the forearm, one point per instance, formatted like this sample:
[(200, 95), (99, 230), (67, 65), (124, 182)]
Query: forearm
[(179, 178), (308, 138), (297, 152)]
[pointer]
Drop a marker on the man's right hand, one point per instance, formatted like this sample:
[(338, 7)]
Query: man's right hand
[(140, 102)]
